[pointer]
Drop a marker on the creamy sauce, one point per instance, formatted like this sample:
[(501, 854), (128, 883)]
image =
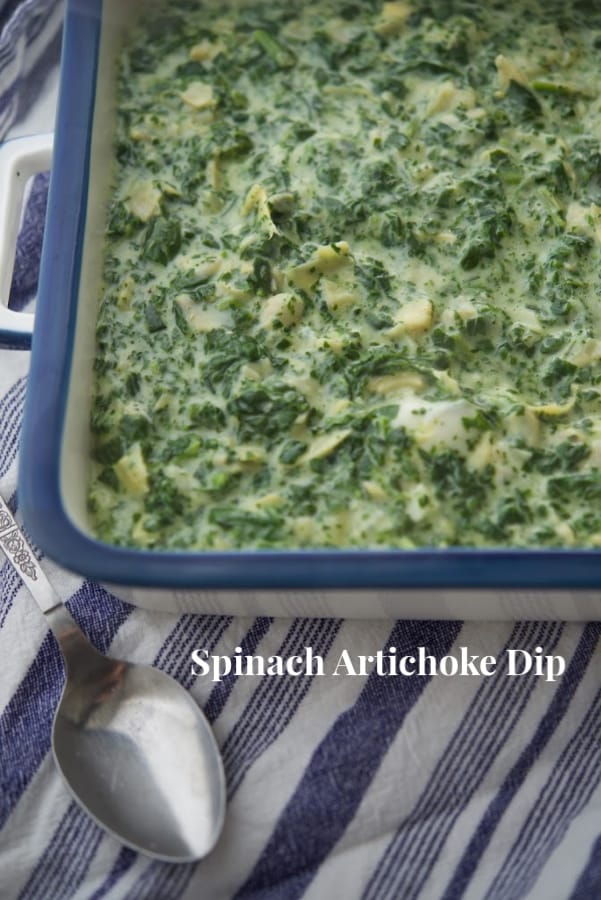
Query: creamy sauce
[(352, 278)]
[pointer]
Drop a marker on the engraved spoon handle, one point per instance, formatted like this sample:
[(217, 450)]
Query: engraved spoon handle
[(23, 560), (77, 650)]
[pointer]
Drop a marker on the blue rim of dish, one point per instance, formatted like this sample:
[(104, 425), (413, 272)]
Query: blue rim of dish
[(14, 340), (52, 349)]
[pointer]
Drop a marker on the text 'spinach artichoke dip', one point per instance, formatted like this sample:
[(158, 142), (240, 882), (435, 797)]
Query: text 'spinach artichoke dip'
[(352, 278)]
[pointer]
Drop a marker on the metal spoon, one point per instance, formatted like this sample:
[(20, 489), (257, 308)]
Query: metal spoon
[(135, 750)]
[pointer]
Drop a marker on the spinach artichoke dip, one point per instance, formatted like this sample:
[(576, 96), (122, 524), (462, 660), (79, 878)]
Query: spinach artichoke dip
[(352, 278)]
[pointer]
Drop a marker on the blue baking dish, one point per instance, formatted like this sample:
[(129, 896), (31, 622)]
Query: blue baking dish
[(501, 583)]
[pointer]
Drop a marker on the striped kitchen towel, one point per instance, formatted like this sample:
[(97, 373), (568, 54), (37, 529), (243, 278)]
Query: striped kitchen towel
[(29, 36), (372, 786)]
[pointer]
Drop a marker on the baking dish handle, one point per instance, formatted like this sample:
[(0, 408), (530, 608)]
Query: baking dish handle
[(20, 159)]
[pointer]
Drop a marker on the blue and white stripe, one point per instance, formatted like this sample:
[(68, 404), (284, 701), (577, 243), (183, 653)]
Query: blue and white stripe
[(29, 35), (494, 713), (372, 787)]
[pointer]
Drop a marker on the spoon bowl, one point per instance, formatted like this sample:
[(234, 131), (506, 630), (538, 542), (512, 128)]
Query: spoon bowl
[(133, 747), (139, 756)]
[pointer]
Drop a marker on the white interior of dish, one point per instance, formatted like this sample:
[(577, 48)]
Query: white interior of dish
[(117, 18)]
